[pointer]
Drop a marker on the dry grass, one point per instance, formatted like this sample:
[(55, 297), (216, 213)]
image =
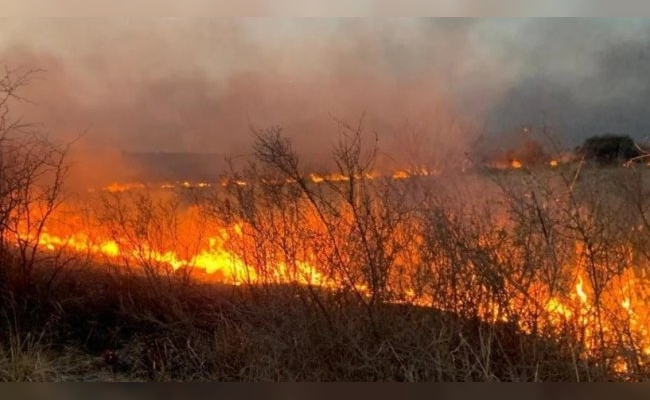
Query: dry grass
[(91, 324), (102, 331), (473, 249), (471, 252)]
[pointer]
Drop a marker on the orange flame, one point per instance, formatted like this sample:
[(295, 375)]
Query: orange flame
[(624, 300)]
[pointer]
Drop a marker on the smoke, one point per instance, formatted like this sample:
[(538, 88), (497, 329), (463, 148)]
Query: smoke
[(584, 77), (428, 87)]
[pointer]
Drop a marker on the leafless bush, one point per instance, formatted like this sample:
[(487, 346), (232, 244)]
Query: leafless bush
[(543, 251), (155, 236), (32, 171), (352, 229), (536, 274)]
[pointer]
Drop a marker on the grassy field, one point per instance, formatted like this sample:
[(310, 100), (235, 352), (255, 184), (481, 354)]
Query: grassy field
[(91, 327), (88, 321), (465, 274), (516, 275)]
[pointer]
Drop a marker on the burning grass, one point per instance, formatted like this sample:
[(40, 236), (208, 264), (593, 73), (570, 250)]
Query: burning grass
[(509, 275)]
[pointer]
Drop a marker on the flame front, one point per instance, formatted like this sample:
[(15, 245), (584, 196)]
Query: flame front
[(299, 245)]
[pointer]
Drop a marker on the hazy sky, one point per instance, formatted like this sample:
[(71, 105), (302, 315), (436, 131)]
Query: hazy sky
[(196, 84)]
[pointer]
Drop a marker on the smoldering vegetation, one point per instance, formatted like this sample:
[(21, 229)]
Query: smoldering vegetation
[(464, 274), (522, 275)]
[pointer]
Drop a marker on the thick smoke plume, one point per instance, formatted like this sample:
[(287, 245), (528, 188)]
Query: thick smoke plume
[(428, 88)]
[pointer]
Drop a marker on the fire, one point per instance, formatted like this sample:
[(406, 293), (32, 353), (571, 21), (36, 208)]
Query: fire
[(626, 313), (333, 177), (516, 164), (212, 258), (580, 291), (401, 174), (122, 187), (217, 257), (421, 171), (116, 187), (231, 253)]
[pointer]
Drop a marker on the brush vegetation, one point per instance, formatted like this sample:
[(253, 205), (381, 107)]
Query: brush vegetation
[(442, 278)]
